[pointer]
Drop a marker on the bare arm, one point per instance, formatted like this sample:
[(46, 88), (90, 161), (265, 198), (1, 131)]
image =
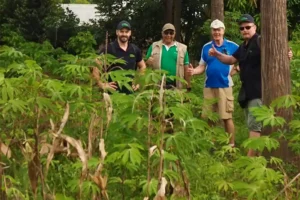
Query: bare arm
[(96, 76), (290, 53), (234, 70), (187, 75), (226, 59), (199, 69), (142, 66)]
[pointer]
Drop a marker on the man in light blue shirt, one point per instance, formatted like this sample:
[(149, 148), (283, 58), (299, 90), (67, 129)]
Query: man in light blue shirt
[(218, 83)]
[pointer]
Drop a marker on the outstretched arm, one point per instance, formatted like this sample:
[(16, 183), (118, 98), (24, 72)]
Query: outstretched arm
[(198, 70), (141, 66), (96, 76), (226, 59)]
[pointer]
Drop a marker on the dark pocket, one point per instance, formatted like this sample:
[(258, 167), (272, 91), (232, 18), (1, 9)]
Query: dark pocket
[(242, 97)]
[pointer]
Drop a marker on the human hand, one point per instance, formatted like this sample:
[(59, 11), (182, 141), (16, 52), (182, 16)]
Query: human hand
[(190, 70), (110, 86), (135, 87), (99, 62), (212, 51), (234, 70), (150, 60), (290, 54)]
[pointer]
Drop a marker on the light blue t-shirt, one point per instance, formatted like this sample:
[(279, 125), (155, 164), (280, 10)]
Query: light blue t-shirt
[(217, 73)]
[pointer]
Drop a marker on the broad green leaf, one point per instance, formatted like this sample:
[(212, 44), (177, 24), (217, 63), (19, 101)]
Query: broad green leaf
[(115, 180), (89, 188), (286, 101), (181, 112), (169, 156), (223, 185), (171, 175), (295, 125), (73, 185), (217, 169), (93, 162), (261, 143), (276, 161), (177, 141), (44, 103), (267, 116), (152, 186)]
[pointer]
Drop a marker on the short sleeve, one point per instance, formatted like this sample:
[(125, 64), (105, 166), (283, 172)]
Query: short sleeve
[(237, 53), (109, 49), (138, 54), (149, 52), (234, 47), (186, 58), (101, 51), (202, 58)]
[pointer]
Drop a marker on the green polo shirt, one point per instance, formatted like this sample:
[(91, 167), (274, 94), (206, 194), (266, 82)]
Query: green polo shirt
[(169, 58)]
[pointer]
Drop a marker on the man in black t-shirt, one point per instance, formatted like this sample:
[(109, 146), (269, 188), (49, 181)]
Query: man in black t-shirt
[(123, 49), (249, 57)]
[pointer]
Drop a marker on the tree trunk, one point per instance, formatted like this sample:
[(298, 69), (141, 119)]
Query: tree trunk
[(217, 10), (276, 80), (168, 15), (177, 19)]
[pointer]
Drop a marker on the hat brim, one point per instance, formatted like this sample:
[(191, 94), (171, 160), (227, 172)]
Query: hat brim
[(217, 27), (246, 21), (124, 27)]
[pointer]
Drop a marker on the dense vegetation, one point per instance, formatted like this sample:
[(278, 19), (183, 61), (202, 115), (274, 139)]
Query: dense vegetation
[(63, 138)]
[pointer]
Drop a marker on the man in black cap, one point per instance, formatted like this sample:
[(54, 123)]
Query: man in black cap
[(249, 57), (123, 49)]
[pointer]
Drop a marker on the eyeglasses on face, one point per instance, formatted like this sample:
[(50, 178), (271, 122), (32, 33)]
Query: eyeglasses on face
[(245, 27), (169, 32)]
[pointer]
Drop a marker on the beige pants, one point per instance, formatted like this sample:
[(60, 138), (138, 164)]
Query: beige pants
[(218, 100)]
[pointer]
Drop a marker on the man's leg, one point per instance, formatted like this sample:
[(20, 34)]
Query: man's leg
[(229, 128), (208, 106), (253, 134), (253, 126), (225, 109)]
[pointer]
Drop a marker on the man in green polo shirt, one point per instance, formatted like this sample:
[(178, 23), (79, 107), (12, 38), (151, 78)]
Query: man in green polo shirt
[(171, 56)]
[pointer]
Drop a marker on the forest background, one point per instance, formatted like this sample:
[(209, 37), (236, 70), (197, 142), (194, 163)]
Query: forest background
[(62, 138)]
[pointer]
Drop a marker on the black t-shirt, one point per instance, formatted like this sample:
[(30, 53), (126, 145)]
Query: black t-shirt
[(249, 57), (132, 56)]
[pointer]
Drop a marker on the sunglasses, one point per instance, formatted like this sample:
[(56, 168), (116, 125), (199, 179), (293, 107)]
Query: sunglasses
[(169, 32), (245, 27)]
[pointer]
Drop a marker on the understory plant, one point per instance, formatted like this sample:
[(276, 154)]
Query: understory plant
[(64, 138)]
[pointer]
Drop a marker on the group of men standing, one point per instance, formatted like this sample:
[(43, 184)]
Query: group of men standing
[(217, 61)]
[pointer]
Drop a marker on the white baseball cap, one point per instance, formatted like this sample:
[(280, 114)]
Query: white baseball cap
[(217, 24)]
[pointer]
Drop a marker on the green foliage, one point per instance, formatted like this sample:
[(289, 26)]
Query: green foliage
[(37, 80), (232, 29), (35, 86), (82, 43), (243, 6)]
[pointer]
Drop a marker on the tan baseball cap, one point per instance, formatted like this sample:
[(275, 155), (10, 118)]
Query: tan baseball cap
[(217, 24), (168, 26)]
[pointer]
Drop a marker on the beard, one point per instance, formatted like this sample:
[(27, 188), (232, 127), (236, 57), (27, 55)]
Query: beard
[(123, 39)]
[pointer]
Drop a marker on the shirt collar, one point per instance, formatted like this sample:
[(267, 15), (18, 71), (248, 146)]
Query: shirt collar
[(223, 45), (116, 44), (174, 44), (251, 39)]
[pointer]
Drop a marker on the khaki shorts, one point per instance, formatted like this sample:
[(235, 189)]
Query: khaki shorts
[(224, 105)]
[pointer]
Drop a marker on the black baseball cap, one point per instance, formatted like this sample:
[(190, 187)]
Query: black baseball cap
[(123, 24), (246, 18)]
